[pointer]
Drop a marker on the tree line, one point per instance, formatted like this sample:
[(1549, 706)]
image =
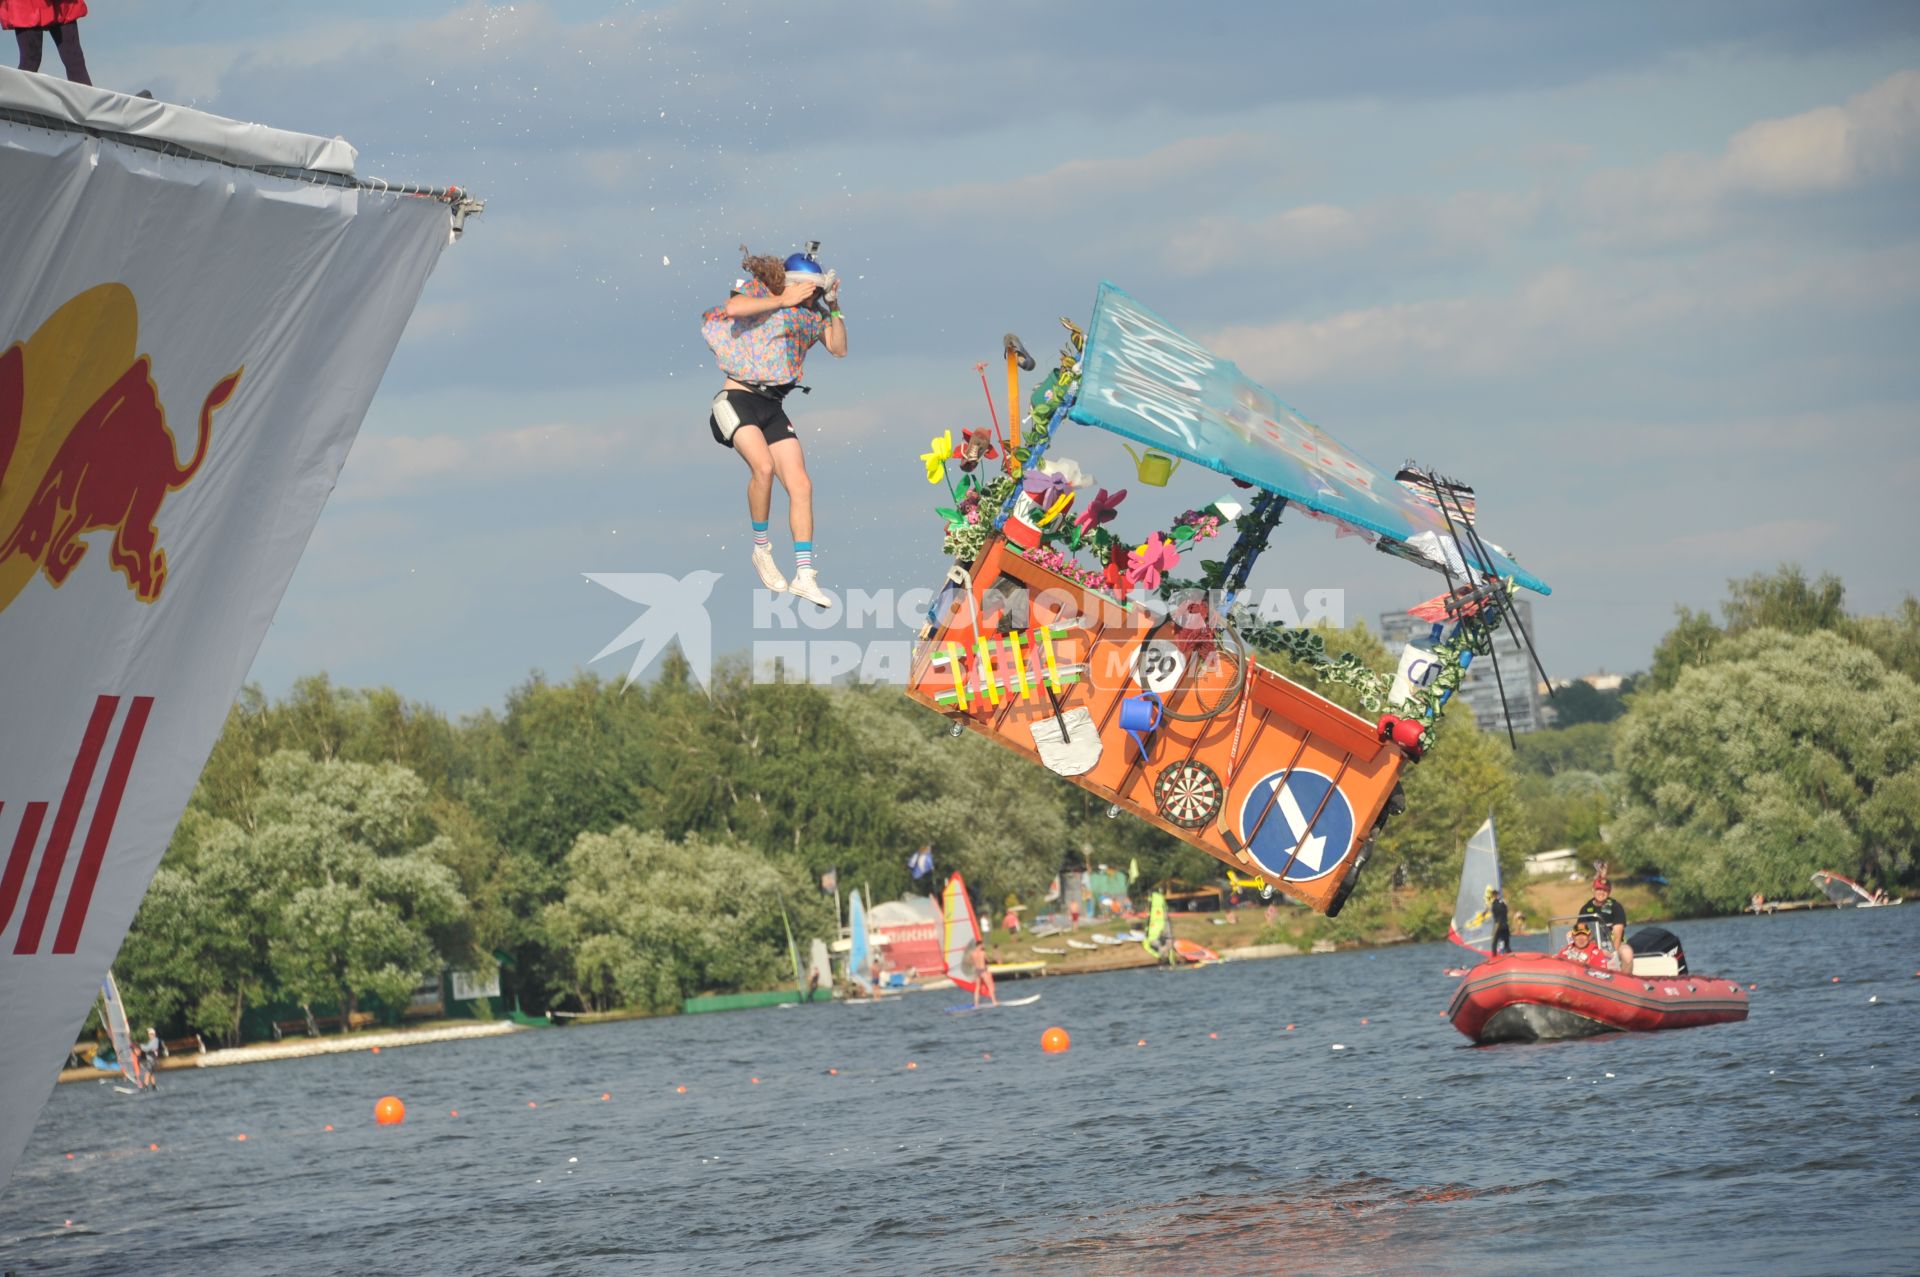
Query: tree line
[(629, 847)]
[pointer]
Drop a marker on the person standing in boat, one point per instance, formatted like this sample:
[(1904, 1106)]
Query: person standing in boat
[(1502, 938), (1609, 917), (761, 337), (1580, 947)]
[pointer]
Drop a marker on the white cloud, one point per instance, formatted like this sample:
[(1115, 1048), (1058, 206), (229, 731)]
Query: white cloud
[(1875, 135), (382, 466)]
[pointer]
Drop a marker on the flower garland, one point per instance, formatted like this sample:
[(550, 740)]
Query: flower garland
[(1309, 648)]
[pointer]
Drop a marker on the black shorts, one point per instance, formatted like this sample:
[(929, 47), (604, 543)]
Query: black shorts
[(749, 409)]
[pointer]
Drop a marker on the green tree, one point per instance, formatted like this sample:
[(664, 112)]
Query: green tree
[(1690, 643), (1784, 599), (372, 908), (1786, 754), (647, 921), (1579, 702), (1587, 747)]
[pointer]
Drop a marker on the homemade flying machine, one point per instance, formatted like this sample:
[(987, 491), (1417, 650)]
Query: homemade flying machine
[(1082, 651)]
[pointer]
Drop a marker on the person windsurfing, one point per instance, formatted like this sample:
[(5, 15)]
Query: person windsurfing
[(760, 338)]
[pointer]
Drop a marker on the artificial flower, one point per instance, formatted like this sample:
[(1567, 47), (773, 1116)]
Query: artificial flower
[(942, 445), (1151, 561), (1100, 510), (976, 446)]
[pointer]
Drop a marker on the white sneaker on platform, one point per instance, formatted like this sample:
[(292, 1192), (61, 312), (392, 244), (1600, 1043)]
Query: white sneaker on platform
[(763, 564), (806, 585)]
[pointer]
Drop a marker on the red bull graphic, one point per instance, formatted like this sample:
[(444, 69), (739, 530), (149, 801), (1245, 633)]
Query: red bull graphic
[(66, 823), (85, 446)]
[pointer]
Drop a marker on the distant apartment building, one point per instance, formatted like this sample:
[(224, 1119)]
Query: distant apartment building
[(1525, 696)]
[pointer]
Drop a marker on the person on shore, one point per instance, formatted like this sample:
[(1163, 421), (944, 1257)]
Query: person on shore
[(982, 974), (31, 21), (920, 870), (1012, 921), (1502, 938), (1609, 918), (760, 338), (1580, 947)]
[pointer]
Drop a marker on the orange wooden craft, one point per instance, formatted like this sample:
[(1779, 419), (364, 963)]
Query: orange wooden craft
[(1280, 782)]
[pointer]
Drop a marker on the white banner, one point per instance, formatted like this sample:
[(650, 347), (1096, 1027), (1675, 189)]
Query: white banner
[(187, 348), (471, 985)]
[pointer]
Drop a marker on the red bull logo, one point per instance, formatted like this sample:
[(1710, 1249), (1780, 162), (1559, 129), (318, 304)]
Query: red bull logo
[(85, 447)]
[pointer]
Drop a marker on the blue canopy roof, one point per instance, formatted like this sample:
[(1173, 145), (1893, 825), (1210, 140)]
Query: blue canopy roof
[(1144, 379)]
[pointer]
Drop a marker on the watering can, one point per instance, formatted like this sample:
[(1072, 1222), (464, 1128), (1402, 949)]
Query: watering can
[(1140, 717), (1155, 467)]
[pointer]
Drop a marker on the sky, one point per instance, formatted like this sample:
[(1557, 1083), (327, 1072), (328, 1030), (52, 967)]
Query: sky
[(1646, 275)]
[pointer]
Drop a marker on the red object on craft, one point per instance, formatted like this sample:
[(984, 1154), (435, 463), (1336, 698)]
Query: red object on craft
[(1524, 997)]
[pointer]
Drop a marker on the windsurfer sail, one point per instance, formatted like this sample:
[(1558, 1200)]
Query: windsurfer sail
[(959, 932), (860, 954), (1473, 924), (1159, 935), (1845, 892), (113, 1013)]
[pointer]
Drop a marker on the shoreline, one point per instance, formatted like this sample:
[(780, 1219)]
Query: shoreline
[(1235, 937)]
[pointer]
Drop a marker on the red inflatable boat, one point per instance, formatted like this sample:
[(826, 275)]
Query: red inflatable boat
[(1527, 997)]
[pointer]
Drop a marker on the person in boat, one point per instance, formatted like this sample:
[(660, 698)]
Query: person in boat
[(1609, 918), (793, 305), (982, 974), (1502, 938), (1580, 947)]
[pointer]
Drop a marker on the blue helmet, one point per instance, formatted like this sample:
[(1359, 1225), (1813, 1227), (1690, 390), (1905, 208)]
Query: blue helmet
[(803, 269)]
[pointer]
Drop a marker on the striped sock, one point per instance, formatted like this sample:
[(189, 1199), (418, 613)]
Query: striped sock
[(802, 554), (760, 541)]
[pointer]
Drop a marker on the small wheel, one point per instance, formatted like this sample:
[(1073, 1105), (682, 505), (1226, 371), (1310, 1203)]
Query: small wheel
[(1113, 811), (1266, 891), (957, 730)]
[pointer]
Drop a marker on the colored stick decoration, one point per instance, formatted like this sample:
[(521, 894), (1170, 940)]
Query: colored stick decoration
[(1026, 658)]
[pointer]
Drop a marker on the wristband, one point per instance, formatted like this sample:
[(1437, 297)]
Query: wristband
[(837, 315)]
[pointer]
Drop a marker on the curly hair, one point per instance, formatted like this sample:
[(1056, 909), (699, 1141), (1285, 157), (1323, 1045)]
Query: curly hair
[(771, 271)]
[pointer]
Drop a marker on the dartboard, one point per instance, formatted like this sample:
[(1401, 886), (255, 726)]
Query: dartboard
[(1188, 794)]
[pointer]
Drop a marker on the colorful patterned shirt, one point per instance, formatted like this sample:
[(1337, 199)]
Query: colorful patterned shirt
[(770, 349)]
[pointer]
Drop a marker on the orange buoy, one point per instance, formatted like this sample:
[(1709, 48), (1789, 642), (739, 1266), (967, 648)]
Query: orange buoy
[(605, 1096), (833, 1072), (1363, 1019), (532, 1105), (1836, 979), (241, 1138), (986, 1055), (1055, 1040), (153, 1148), (1141, 1042), (329, 1125), (453, 1112), (912, 1065), (1289, 1028), (389, 1111), (1213, 1035), (376, 1050), (680, 1090), (754, 1080)]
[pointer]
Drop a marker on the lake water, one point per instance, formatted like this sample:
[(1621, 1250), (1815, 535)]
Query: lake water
[(1788, 1143)]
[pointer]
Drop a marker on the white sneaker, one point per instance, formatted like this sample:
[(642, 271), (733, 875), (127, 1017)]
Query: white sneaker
[(806, 584), (763, 564)]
